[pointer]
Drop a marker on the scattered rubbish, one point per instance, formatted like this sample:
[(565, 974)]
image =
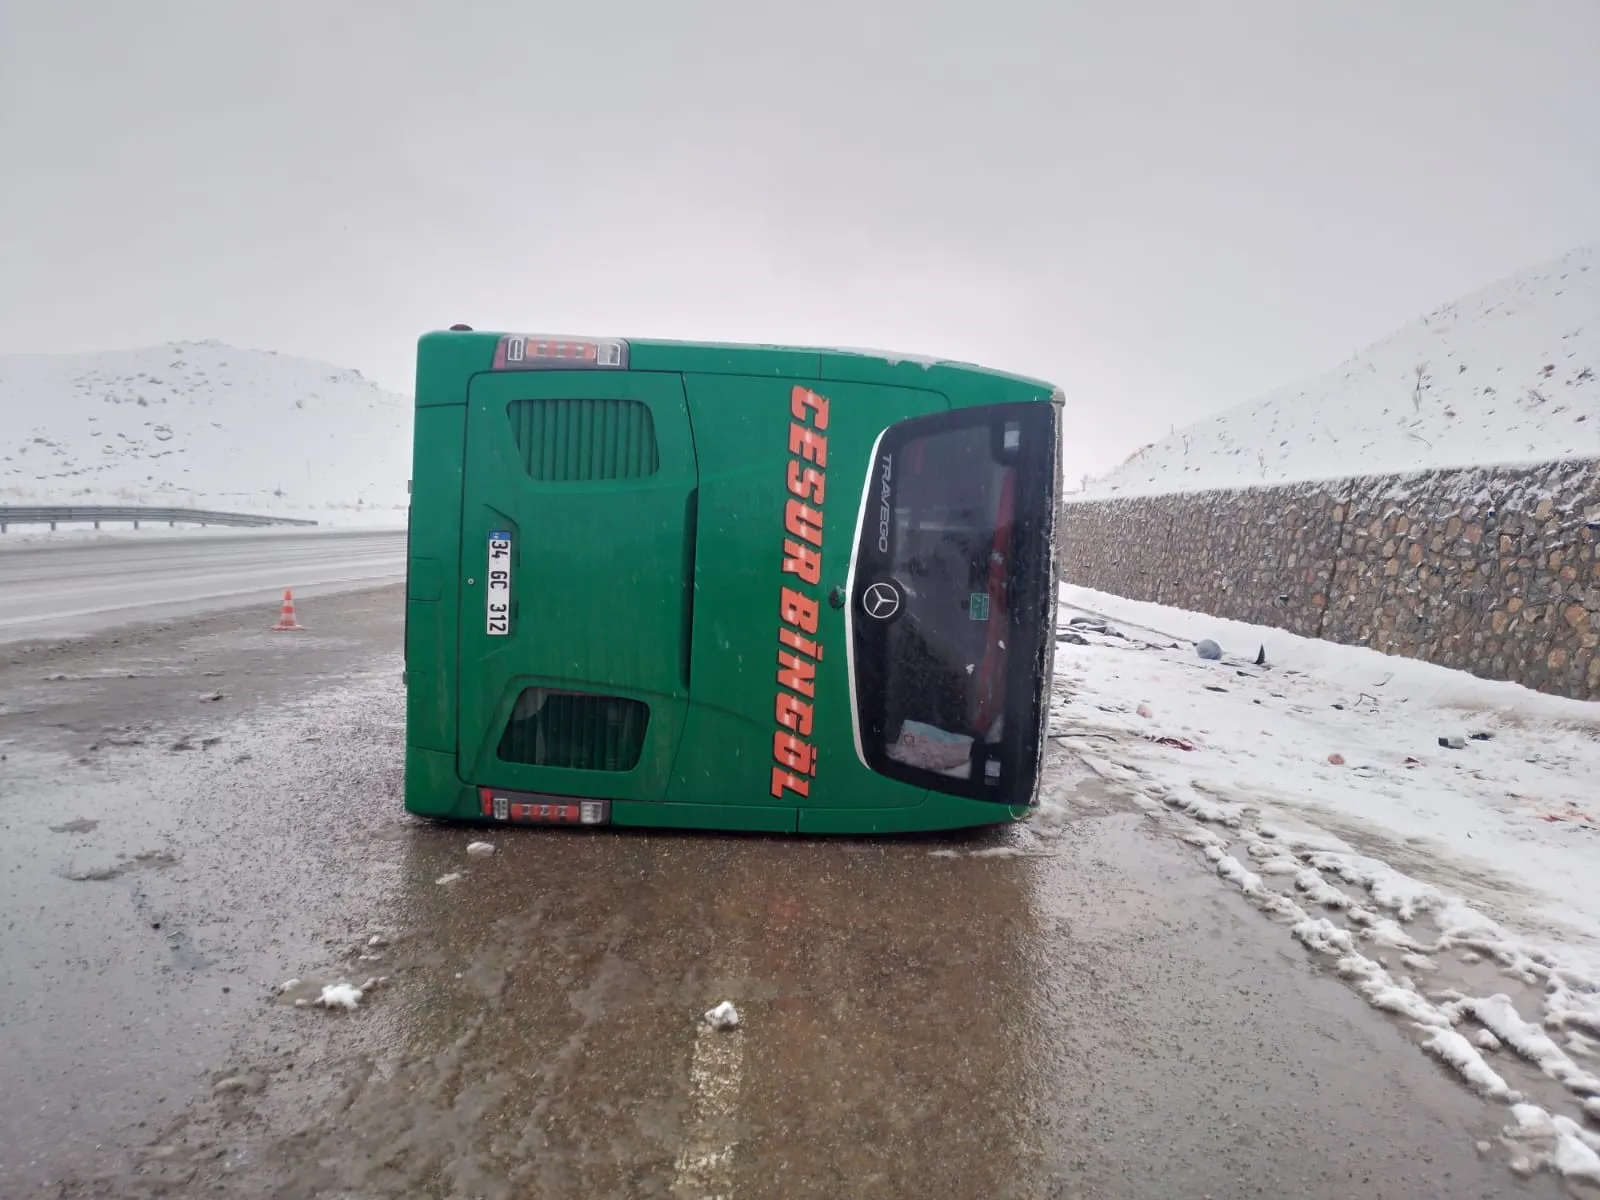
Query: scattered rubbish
[(1088, 622), (1207, 649), (1261, 656), (1340, 707), (1413, 762), (1144, 711), (723, 1017), (1453, 743), (480, 849), (450, 878), (1211, 687), (1481, 737), (210, 697), (1072, 639), (377, 940), (1336, 759), (1175, 742)]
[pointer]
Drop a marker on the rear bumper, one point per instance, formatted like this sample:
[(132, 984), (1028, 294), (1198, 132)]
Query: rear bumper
[(432, 789)]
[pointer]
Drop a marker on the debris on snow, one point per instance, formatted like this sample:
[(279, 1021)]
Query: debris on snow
[(723, 1017), (1208, 649), (1176, 743)]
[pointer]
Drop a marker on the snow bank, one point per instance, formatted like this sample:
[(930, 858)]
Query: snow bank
[(1358, 670), (1316, 786), (203, 425), (1507, 375)]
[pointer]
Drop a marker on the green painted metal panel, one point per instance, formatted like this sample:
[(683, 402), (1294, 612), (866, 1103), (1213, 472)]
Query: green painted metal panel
[(599, 594), (676, 530)]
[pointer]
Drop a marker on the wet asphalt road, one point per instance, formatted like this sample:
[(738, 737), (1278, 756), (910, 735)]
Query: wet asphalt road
[(191, 815), (70, 589)]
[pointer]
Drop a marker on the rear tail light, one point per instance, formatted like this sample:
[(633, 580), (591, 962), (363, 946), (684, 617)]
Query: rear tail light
[(536, 352), (532, 808)]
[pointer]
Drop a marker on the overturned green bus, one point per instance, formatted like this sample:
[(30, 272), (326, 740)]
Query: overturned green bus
[(726, 587)]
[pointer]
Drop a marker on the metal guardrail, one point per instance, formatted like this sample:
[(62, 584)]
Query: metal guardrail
[(53, 515)]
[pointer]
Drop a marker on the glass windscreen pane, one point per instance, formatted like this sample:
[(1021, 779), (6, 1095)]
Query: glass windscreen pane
[(952, 512), (945, 610)]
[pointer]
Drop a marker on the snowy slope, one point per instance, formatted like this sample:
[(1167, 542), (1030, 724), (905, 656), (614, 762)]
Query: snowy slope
[(203, 425), (1510, 374)]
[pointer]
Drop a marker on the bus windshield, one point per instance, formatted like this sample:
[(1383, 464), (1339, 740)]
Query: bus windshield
[(950, 615)]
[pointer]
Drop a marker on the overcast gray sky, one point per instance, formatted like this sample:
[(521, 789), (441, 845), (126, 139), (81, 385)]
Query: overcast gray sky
[(1165, 206)]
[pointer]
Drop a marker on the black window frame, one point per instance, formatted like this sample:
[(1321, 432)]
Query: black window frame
[(1032, 603)]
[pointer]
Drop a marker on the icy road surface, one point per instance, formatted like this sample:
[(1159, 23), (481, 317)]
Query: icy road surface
[(193, 817), (75, 588)]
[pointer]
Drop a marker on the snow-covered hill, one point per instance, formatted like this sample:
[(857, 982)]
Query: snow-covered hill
[(203, 425), (1510, 374)]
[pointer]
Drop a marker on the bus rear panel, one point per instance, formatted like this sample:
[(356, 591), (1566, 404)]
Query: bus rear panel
[(726, 587)]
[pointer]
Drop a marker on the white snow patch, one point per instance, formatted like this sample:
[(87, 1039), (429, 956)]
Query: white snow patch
[(1392, 890), (1497, 1014), (1462, 1056), (723, 1016), (480, 849), (452, 877), (1248, 882), (1319, 891), (340, 995), (1323, 936), (1561, 1144)]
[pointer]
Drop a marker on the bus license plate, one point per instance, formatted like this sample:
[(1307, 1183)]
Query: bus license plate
[(498, 580)]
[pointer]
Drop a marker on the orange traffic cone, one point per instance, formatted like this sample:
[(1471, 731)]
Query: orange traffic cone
[(286, 619)]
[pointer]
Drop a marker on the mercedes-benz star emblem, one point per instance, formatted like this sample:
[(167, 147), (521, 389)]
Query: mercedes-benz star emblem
[(882, 601)]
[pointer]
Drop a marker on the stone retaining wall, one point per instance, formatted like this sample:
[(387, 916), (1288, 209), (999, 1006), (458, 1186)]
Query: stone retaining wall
[(1493, 571)]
